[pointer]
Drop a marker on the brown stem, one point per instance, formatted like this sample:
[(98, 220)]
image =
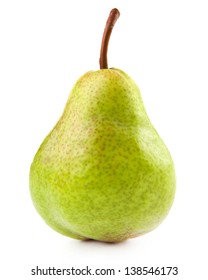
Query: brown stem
[(112, 18)]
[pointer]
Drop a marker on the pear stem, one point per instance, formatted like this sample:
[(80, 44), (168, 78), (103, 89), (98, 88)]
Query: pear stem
[(112, 18)]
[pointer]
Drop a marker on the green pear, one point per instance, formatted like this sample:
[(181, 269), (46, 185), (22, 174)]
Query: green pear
[(103, 172)]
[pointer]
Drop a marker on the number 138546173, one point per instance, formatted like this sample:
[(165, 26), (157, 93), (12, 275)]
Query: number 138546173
[(165, 270)]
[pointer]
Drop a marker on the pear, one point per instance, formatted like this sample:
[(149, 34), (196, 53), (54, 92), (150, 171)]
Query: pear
[(103, 172)]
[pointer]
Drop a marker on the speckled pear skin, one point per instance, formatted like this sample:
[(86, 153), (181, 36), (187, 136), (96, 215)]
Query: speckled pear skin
[(103, 172)]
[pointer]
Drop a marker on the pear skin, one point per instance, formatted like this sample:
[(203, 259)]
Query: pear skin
[(103, 172)]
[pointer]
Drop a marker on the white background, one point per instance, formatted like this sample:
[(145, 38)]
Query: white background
[(45, 46)]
